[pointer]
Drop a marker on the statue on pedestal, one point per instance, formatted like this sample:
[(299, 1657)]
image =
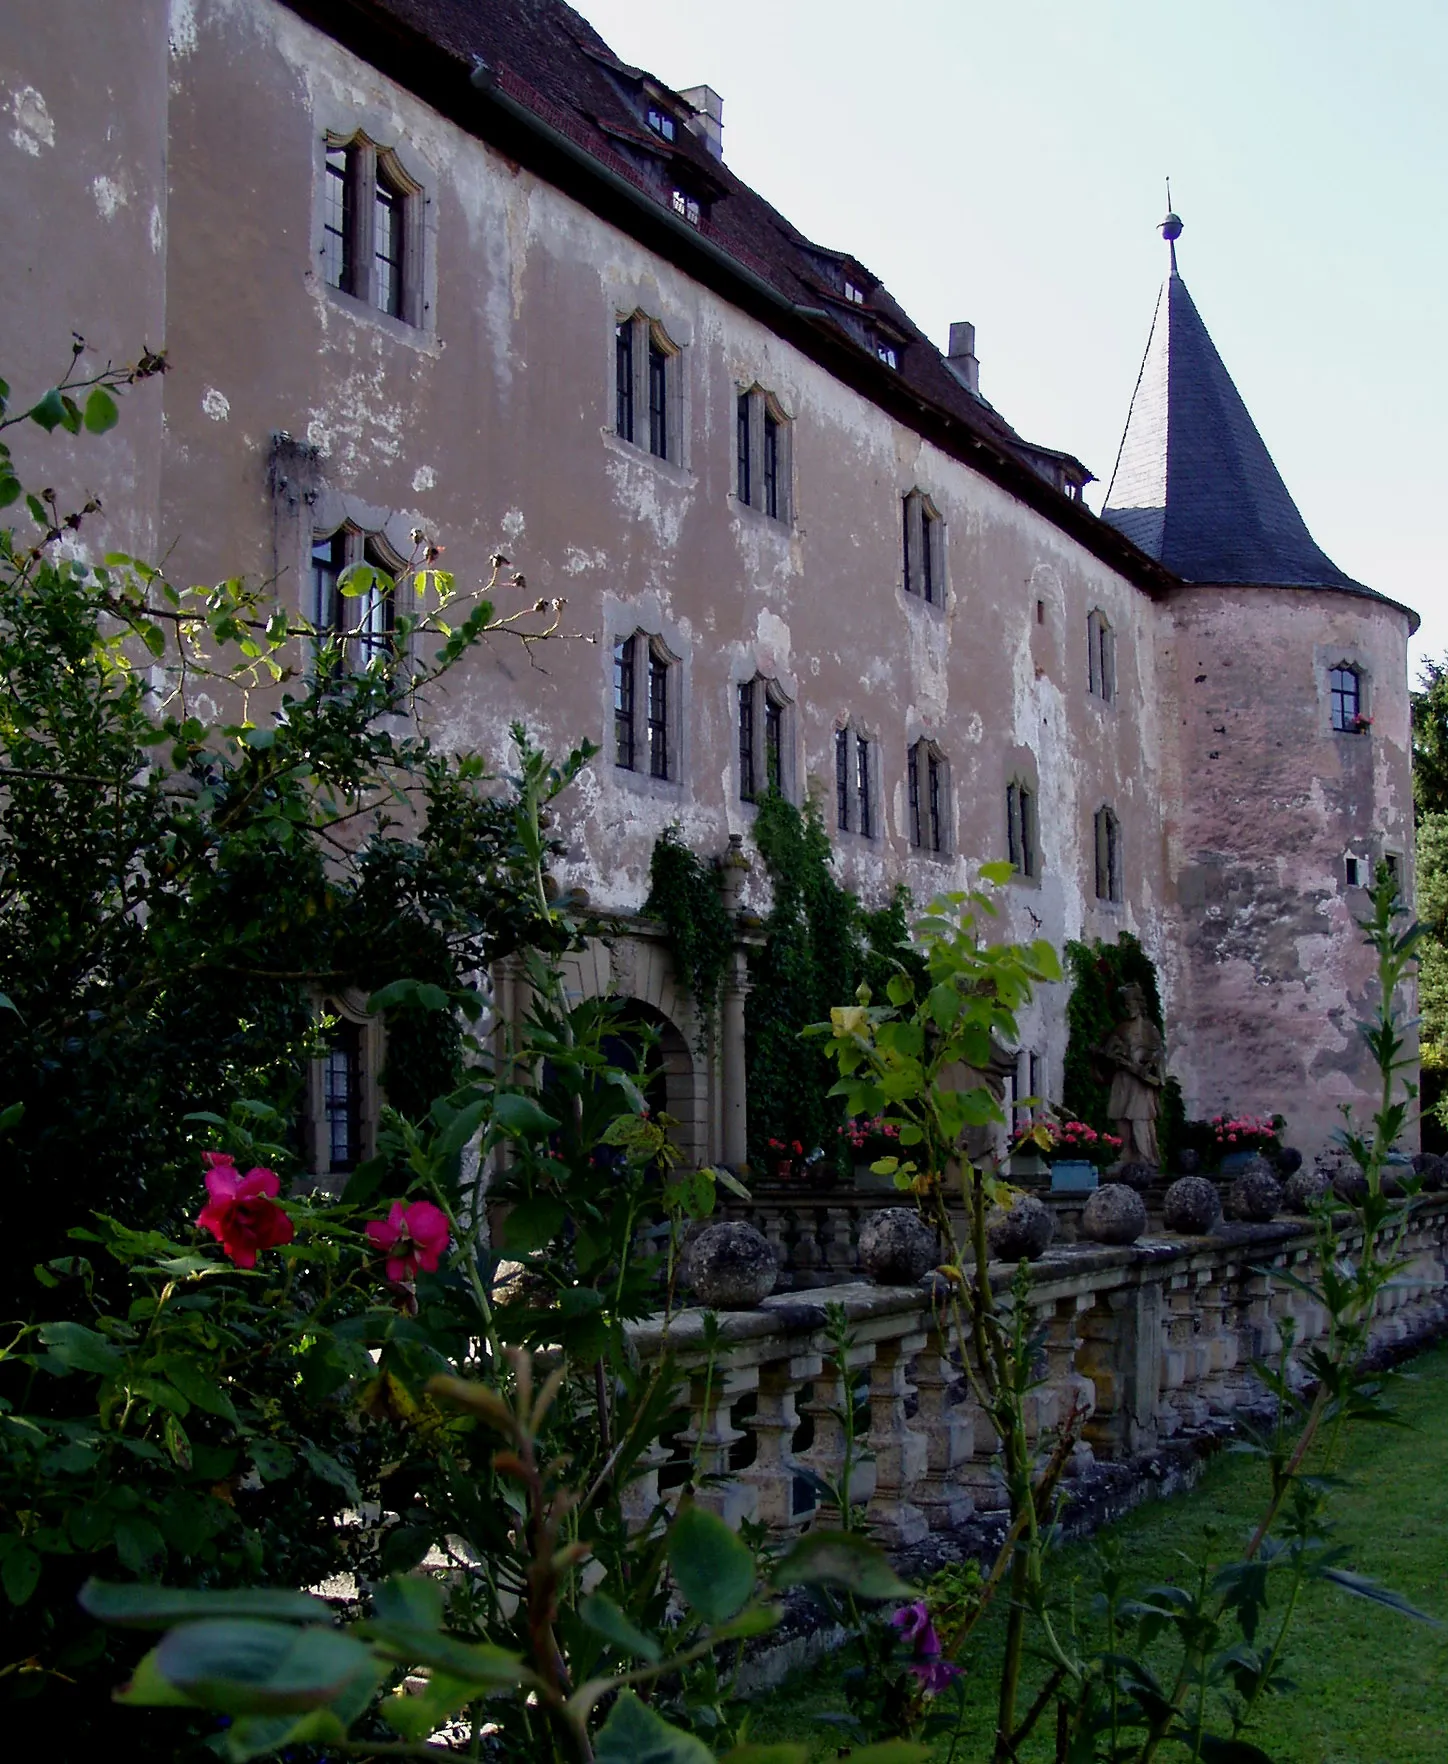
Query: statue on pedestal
[(1135, 1052)]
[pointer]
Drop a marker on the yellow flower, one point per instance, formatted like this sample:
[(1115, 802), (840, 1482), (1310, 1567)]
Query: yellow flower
[(847, 1020)]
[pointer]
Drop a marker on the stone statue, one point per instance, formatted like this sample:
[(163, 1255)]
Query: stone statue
[(1134, 1049)]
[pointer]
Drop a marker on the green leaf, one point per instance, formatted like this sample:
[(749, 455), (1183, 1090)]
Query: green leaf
[(49, 412), (253, 1668), (100, 411), (417, 1715), (843, 1559), (781, 1754), (80, 1349), (329, 1469), (712, 1568), (460, 1129), (634, 1734), (521, 1115), (147, 1688), (9, 489), (997, 873), (532, 1224), (1362, 1588), (605, 1618), (20, 1573), (413, 1644), (139, 1544), (272, 1459), (197, 1386), (896, 1751), (421, 994), (410, 1598)]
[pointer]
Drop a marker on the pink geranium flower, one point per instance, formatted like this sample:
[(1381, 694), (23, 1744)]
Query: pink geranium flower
[(242, 1214), (413, 1237)]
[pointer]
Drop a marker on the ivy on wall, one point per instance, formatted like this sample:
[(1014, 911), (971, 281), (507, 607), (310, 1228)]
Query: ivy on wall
[(1099, 972), (684, 898), (819, 945)]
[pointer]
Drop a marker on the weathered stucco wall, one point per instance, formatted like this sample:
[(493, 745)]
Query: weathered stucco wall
[(195, 199), (1270, 974)]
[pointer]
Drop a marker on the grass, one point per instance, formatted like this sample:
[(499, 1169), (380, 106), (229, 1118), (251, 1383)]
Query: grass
[(1371, 1684)]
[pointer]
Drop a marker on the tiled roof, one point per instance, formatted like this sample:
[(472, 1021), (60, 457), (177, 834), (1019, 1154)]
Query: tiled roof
[(1194, 485), (546, 57)]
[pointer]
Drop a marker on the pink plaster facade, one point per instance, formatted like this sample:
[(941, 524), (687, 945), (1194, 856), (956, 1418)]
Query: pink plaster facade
[(489, 425)]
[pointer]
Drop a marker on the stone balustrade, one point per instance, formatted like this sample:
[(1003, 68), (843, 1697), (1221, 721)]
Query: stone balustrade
[(1136, 1345)]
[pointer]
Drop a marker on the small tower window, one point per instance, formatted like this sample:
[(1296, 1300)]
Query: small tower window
[(855, 295), (1345, 686), (662, 124), (1021, 842), (1108, 855), (1101, 657), (923, 548)]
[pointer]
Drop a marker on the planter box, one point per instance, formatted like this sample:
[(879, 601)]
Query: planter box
[(1027, 1168), (1073, 1176)]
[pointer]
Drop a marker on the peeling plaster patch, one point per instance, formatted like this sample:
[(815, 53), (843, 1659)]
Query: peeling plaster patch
[(359, 422), (216, 404), (575, 562), (774, 636), (513, 524), (182, 27), (158, 230), (109, 197), (34, 128), (424, 478)]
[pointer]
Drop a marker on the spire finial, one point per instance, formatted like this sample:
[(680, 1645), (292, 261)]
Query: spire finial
[(1171, 228)]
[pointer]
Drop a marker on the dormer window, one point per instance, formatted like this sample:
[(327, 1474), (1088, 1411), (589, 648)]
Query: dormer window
[(888, 354), (686, 206), (855, 295), (663, 124)]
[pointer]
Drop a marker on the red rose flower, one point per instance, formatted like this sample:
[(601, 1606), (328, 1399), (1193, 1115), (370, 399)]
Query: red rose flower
[(242, 1214), (414, 1238)]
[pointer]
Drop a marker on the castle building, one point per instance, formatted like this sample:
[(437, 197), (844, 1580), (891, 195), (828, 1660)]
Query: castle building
[(451, 265)]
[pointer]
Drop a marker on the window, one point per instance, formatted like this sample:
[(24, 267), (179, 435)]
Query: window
[(886, 353), (762, 454), (372, 215), (1393, 867), (1108, 855), (1021, 840), (342, 1097), (360, 625), (855, 295), (646, 376), (1354, 868), (924, 548), (854, 783), (764, 753), (623, 702), (1101, 657), (662, 124), (643, 706), (927, 784), (686, 206), (1345, 687)]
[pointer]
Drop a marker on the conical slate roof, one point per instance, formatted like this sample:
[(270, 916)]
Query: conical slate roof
[(1194, 485)]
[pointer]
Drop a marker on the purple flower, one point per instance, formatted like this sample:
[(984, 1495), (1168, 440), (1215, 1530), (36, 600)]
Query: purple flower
[(913, 1621), (933, 1674), (931, 1671)]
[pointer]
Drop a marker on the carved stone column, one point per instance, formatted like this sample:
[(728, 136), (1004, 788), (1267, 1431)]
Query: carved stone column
[(900, 1450), (733, 868), (774, 1424)]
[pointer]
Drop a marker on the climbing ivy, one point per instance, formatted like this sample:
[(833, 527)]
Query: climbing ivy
[(819, 945), (684, 898), (1099, 972)]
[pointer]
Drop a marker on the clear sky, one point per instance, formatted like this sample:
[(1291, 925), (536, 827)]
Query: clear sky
[(1004, 163)]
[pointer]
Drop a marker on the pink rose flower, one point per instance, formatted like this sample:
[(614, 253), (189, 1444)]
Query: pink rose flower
[(414, 1239), (242, 1214)]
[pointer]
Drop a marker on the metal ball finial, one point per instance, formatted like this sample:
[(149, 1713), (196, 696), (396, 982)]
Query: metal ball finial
[(1171, 228)]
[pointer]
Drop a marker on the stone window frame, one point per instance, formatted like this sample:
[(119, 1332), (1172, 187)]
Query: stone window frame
[(646, 334), (1326, 659), (753, 697), (1361, 719), (929, 812), (1101, 668), (359, 541), (1106, 830), (350, 1007), (923, 548), (860, 813), (650, 651), (755, 410), (410, 177), (1023, 819)]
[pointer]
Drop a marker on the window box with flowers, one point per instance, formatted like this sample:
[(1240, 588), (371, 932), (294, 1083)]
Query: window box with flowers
[(1075, 1151), (792, 1166), (863, 1141), (1236, 1138)]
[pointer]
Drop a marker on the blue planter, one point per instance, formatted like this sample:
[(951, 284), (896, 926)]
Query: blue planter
[(1234, 1163), (1073, 1176)]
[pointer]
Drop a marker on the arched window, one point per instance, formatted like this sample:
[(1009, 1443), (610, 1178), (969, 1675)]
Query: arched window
[(1108, 855), (355, 590), (762, 476), (1101, 657), (1345, 688), (343, 1095), (924, 548), (372, 213), (856, 766), (927, 779), (765, 746), (645, 706), (647, 369)]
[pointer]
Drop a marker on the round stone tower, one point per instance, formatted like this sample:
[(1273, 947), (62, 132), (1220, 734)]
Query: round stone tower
[(1285, 703)]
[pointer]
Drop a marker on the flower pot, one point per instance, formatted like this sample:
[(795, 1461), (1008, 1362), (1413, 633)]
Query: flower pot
[(1234, 1163), (1073, 1176), (1027, 1168)]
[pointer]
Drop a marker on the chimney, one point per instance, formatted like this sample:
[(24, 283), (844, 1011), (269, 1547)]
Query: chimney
[(708, 123), (961, 356)]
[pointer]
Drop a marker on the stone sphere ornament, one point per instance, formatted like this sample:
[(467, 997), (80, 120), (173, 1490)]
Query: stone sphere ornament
[(1256, 1196), (1114, 1214), (1020, 1232), (1289, 1161), (730, 1266), (1350, 1185), (1431, 1168), (897, 1247), (1305, 1187), (1192, 1206), (1135, 1175)]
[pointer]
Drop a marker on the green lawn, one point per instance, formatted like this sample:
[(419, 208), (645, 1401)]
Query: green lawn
[(1372, 1684)]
